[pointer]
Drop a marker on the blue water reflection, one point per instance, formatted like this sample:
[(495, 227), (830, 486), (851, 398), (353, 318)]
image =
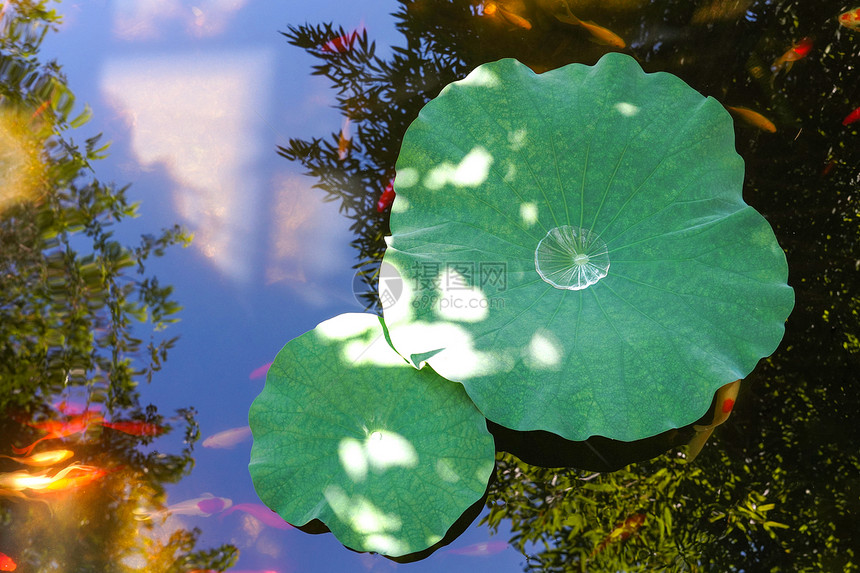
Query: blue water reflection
[(195, 99)]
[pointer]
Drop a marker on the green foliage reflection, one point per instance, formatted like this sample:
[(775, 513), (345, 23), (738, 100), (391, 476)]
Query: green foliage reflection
[(80, 319)]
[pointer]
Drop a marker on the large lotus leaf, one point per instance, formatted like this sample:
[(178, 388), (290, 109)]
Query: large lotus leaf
[(347, 432), (575, 249)]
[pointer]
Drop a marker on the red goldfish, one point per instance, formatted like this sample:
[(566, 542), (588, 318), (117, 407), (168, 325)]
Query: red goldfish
[(387, 198), (850, 19), (42, 459), (343, 43), (7, 563), (852, 117), (135, 428), (724, 401), (797, 52), (600, 34), (753, 118), (56, 429), (621, 531)]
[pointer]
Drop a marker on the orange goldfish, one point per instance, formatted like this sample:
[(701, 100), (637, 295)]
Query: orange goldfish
[(753, 118), (850, 19), (724, 401), (7, 563), (42, 459), (621, 531), (344, 140), (88, 474), (135, 428), (20, 481), (40, 109), (796, 52), (492, 8), (600, 34)]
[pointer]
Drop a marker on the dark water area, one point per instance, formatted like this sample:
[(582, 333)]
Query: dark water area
[(270, 133)]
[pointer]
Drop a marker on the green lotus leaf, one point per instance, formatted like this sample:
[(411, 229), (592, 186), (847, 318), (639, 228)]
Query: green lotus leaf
[(576, 251), (347, 432)]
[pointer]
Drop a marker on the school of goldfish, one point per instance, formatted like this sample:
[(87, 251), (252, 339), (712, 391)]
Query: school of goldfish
[(34, 485)]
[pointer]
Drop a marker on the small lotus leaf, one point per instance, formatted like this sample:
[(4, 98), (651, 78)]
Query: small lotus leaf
[(347, 432), (576, 250)]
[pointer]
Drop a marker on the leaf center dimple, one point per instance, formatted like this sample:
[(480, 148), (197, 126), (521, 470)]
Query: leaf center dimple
[(571, 258)]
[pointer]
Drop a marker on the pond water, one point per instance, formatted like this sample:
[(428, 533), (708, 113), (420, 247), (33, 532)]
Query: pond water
[(198, 97)]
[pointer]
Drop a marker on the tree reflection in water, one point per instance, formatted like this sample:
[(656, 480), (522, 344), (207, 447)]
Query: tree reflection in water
[(71, 344), (775, 487)]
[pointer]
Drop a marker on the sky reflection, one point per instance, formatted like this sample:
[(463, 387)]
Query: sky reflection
[(195, 114)]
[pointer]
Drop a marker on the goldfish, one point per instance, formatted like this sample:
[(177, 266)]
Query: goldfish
[(344, 140), (621, 531), (852, 117), (259, 511), (724, 402), (75, 425), (40, 109), (387, 198), (88, 474), (796, 52), (342, 43), (204, 506), (850, 19), (135, 428), (227, 438), (20, 481), (260, 371), (7, 563), (600, 34), (753, 118), (42, 459), (15, 495), (492, 8), (480, 549), (720, 10)]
